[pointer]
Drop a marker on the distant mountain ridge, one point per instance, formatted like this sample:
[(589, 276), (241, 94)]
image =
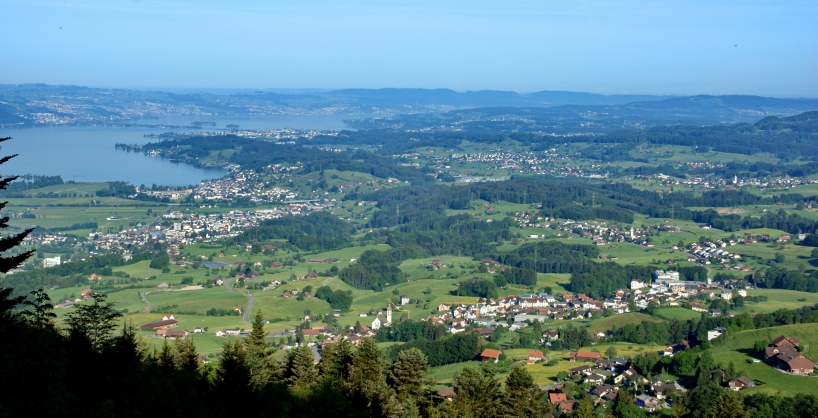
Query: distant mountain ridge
[(41, 104)]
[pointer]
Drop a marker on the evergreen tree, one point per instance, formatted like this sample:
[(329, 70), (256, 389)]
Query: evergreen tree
[(408, 375), (585, 409), (257, 340), (233, 375), (477, 391), (187, 359), (624, 406), (336, 360), (10, 262), (522, 397), (300, 370), (93, 323), (728, 405), (367, 387)]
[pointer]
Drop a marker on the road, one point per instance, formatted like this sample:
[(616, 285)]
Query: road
[(250, 299), (147, 302)]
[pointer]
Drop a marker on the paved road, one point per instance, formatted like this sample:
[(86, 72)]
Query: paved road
[(316, 354), (147, 302), (250, 298)]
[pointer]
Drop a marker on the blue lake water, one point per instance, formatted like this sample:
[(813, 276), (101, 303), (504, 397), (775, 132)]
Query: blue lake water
[(87, 154)]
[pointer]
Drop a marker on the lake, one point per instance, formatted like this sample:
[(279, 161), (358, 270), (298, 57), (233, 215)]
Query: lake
[(87, 154)]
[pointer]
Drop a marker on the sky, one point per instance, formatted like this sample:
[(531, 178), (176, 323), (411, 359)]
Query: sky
[(767, 48)]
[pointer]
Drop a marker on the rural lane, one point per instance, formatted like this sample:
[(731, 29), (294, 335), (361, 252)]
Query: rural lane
[(250, 298), (147, 302)]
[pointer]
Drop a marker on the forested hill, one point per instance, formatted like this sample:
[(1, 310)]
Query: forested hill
[(790, 136), (616, 202), (255, 154)]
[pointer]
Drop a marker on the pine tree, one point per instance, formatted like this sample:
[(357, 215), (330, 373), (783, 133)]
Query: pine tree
[(624, 406), (367, 384), (300, 371), (8, 263), (187, 359), (408, 375), (522, 398), (257, 340), (233, 375), (336, 360), (166, 359), (94, 323), (728, 405), (477, 391), (585, 409)]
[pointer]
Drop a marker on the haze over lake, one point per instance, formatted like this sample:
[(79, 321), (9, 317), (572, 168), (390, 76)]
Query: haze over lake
[(87, 154)]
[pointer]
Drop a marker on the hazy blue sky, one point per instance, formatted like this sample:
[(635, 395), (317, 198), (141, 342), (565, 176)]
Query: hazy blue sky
[(657, 47)]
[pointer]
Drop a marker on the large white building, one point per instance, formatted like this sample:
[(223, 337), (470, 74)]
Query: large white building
[(51, 261), (662, 276)]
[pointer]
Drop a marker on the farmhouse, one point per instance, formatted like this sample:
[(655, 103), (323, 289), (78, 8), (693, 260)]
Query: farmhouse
[(490, 355), (740, 383)]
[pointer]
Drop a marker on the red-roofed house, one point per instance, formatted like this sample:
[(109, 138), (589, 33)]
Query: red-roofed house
[(490, 355)]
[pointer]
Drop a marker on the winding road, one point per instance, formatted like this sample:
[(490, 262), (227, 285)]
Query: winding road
[(249, 297)]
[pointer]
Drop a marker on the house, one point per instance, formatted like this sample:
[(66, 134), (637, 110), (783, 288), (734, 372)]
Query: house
[(217, 281), (796, 363), (740, 383), (404, 300), (646, 401), (585, 356), (782, 340), (198, 330), (595, 379), (601, 391), (576, 371), (167, 317), (567, 406), (310, 332), (629, 376), (170, 323), (172, 335), (535, 355), (715, 333), (227, 332), (490, 355), (446, 393), (557, 397), (95, 277)]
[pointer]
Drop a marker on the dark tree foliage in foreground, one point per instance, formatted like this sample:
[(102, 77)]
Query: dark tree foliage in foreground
[(9, 261)]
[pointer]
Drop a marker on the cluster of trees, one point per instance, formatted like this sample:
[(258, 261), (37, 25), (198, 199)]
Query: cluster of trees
[(411, 330), (338, 299), (515, 275), (318, 231), (375, 269), (476, 287), (117, 189), (456, 348), (780, 278), (255, 155), (222, 312), (19, 184)]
